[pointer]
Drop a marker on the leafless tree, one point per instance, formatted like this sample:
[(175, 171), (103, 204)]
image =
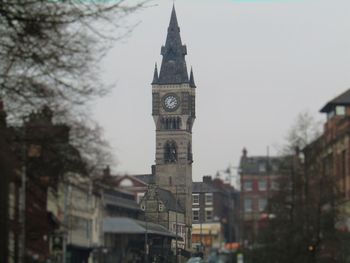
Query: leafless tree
[(49, 53), (303, 131)]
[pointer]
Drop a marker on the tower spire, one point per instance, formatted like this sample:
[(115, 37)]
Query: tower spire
[(155, 75), (173, 69), (192, 84)]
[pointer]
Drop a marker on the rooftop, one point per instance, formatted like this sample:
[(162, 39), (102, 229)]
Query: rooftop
[(341, 100)]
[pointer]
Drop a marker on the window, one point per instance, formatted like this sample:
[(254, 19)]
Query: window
[(248, 205), (208, 215), (209, 198), (262, 204), (248, 186), (189, 152), (195, 198), (262, 185), (12, 201), (170, 181), (262, 167), (170, 123), (340, 110), (195, 215), (88, 228), (139, 197), (170, 152), (275, 185)]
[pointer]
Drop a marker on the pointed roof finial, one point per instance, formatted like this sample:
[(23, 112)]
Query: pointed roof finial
[(192, 84), (173, 69), (155, 75), (173, 19)]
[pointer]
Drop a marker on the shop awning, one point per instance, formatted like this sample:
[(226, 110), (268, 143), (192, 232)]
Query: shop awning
[(124, 225)]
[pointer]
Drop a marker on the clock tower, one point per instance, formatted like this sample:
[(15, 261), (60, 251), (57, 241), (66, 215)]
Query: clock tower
[(173, 110)]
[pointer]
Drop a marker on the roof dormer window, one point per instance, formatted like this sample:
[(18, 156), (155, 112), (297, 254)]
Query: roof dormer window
[(340, 110)]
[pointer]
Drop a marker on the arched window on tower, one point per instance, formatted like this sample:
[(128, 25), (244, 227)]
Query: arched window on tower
[(170, 123), (161, 123), (178, 123), (170, 181), (189, 125), (189, 152), (170, 152)]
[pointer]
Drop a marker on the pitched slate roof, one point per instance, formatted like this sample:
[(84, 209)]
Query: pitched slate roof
[(169, 200), (146, 178), (200, 187), (117, 201), (124, 225), (341, 100), (173, 69), (261, 165)]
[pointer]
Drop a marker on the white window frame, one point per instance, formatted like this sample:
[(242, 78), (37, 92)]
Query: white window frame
[(245, 188), (195, 210), (210, 202), (259, 185), (261, 209), (340, 110), (250, 209), (193, 202), (209, 209), (262, 167)]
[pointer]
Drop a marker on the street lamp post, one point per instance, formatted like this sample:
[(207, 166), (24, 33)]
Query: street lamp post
[(146, 234)]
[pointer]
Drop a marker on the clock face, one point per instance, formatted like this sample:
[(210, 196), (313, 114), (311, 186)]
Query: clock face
[(171, 102)]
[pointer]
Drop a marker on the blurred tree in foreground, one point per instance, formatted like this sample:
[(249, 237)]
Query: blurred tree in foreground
[(49, 53), (303, 215)]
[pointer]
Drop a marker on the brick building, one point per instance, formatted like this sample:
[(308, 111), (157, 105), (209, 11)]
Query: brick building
[(261, 177), (10, 189), (214, 213), (332, 150)]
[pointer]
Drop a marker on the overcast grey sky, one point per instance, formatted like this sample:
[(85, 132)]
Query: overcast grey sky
[(257, 64)]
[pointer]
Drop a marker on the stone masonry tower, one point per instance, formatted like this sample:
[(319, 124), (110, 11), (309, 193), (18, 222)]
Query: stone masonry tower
[(173, 110)]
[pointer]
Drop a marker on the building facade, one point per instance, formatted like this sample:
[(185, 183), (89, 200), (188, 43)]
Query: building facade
[(261, 178), (173, 110), (332, 152), (214, 214), (11, 193)]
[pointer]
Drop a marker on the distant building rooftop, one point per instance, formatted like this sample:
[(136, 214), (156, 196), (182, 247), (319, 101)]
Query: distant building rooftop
[(341, 100), (261, 165)]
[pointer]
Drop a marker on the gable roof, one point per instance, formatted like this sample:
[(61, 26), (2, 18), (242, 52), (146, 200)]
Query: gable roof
[(341, 100), (169, 200), (145, 178), (134, 178), (173, 69)]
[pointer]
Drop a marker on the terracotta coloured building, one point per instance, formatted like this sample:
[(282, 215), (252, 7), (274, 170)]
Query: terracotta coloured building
[(261, 177), (332, 150)]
